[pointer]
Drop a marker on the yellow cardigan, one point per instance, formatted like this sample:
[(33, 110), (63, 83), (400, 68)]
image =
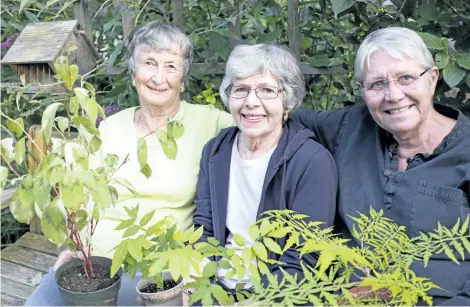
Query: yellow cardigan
[(171, 189)]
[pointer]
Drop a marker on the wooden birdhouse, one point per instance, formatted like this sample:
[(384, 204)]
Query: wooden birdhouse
[(35, 50)]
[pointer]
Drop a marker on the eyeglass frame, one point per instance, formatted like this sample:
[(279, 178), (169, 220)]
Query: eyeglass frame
[(387, 81), (277, 91)]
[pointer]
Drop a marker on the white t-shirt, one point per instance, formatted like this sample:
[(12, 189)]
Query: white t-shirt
[(244, 195)]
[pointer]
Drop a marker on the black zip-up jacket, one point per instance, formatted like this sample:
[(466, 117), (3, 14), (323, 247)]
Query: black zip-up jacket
[(301, 176)]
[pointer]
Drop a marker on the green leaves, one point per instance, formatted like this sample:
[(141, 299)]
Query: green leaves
[(432, 41), (340, 6), (3, 176), (167, 138), (118, 257), (48, 119), (16, 126), (20, 150), (65, 72), (453, 74), (87, 102), (142, 157), (53, 223)]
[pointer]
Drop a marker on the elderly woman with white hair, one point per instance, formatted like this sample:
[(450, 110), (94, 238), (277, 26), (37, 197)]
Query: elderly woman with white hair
[(266, 162), (401, 153), (158, 56)]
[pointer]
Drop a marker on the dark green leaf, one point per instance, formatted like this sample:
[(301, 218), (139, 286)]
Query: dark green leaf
[(442, 59), (463, 60), (432, 41), (453, 74), (341, 5)]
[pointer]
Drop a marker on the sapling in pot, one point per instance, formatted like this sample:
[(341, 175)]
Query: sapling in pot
[(65, 193)]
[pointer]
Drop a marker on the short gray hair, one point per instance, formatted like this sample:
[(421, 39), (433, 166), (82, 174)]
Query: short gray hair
[(249, 60), (159, 36), (397, 43)]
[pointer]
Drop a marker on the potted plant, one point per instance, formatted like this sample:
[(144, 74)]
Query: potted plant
[(64, 192)]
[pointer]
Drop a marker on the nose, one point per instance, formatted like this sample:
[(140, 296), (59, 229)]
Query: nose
[(158, 76), (393, 93), (252, 101)]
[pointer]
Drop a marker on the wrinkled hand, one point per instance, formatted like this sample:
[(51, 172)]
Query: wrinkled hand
[(66, 256)]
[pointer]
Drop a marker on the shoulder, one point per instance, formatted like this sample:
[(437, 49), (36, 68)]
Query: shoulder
[(205, 110), (224, 138)]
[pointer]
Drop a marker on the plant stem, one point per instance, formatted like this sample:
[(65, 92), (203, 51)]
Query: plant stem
[(10, 167)]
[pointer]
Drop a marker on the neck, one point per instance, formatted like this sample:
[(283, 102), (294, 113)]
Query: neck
[(425, 139), (150, 118), (252, 148)]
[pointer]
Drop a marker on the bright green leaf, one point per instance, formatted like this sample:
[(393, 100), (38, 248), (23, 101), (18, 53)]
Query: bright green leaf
[(196, 235), (48, 119), (53, 223), (239, 239), (170, 148), (135, 249), (25, 191), (146, 218), (272, 246), (210, 269), (16, 126), (118, 257), (88, 103), (175, 129), (3, 176), (260, 251), (125, 224), (253, 231), (131, 231), (247, 255), (20, 150), (62, 123)]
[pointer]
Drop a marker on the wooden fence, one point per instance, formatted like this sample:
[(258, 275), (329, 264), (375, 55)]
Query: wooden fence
[(177, 6)]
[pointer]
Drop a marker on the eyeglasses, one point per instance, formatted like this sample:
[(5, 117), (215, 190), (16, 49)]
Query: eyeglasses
[(263, 92), (403, 82)]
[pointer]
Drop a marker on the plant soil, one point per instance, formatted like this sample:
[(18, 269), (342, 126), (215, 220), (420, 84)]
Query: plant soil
[(74, 279), (153, 288)]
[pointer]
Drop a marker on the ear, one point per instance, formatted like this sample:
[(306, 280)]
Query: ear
[(434, 77)]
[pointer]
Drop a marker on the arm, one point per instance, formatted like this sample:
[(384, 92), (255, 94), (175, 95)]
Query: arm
[(203, 214), (461, 299), (327, 126), (315, 196)]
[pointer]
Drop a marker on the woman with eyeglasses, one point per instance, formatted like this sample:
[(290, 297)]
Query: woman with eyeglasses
[(400, 153), (158, 56), (267, 161)]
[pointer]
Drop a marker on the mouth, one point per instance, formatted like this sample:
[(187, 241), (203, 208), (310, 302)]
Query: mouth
[(156, 89), (398, 110), (253, 118)]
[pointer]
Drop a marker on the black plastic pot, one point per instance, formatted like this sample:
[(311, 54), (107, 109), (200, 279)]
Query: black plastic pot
[(103, 297)]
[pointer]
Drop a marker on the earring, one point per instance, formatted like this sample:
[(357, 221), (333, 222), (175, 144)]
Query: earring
[(285, 117), (133, 83), (182, 89)]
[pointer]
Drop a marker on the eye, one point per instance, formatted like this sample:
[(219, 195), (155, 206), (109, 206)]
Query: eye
[(378, 84), (267, 90), (148, 63), (239, 89), (406, 79)]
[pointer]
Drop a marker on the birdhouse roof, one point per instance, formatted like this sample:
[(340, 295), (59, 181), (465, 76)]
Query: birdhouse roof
[(40, 42)]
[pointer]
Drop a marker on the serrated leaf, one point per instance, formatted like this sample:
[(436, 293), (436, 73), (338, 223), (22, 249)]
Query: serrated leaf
[(325, 260), (131, 231), (20, 150), (260, 250), (253, 231), (16, 126), (48, 119), (196, 235), (272, 246), (431, 41), (175, 129), (146, 218), (453, 74), (118, 257), (291, 241), (449, 253), (239, 240), (125, 224), (465, 225)]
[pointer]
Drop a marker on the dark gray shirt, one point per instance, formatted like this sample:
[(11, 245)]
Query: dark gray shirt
[(434, 188)]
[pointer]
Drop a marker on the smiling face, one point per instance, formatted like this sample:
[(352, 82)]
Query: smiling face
[(158, 76), (399, 109), (258, 119)]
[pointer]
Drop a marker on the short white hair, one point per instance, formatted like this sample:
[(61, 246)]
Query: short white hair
[(249, 60), (159, 37), (397, 43)]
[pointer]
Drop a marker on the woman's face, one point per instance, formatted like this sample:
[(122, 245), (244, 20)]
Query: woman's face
[(257, 118), (158, 76), (400, 106)]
